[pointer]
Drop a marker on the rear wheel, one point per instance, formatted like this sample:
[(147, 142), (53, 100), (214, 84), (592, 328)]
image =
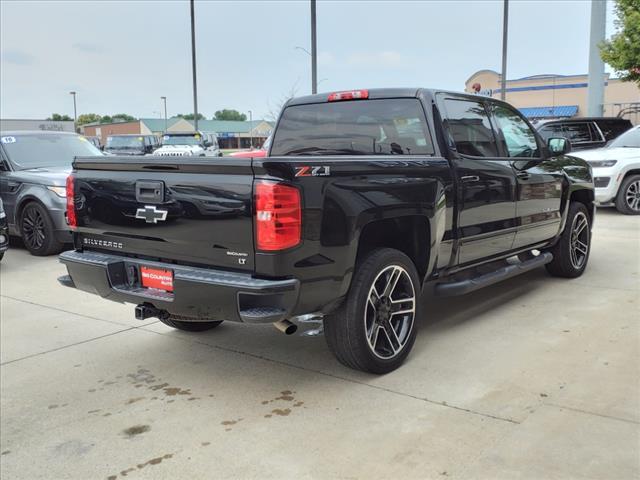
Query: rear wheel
[(183, 323), (628, 198), (571, 253), (375, 328), (37, 231)]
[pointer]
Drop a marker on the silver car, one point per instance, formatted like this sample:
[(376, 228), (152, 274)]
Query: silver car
[(33, 170)]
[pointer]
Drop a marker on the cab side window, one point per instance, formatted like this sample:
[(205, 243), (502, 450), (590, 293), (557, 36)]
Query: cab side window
[(518, 137), (551, 131), (577, 132), (469, 126)]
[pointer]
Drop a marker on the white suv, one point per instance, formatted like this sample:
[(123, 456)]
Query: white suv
[(616, 172), (189, 144)]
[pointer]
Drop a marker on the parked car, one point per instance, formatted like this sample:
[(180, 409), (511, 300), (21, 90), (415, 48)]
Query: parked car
[(585, 133), (365, 197), (4, 231), (33, 170), (258, 153), (616, 171), (131, 144), (189, 144)]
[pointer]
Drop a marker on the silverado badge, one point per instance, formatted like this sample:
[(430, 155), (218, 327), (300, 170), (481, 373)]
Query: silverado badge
[(150, 214)]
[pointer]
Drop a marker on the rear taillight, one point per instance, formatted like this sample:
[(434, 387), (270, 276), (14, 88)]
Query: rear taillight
[(71, 210), (278, 216), (348, 95)]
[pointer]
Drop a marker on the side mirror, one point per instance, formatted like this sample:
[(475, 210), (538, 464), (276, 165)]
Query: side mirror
[(559, 145)]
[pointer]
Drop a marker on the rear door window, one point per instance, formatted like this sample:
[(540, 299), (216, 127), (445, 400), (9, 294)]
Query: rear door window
[(359, 127), (613, 127), (469, 126)]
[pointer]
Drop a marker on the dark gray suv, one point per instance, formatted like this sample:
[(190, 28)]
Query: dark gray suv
[(33, 170)]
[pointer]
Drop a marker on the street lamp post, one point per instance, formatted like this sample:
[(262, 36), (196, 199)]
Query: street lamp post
[(193, 67), (505, 35), (314, 50), (251, 128), (75, 113), (164, 100)]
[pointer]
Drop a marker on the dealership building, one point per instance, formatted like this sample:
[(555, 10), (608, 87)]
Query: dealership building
[(231, 134), (558, 96)]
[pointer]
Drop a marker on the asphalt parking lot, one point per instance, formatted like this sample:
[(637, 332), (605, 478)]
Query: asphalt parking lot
[(533, 378)]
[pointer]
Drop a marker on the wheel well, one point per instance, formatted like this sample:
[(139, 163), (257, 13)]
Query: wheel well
[(635, 171), (22, 205), (408, 234), (585, 197)]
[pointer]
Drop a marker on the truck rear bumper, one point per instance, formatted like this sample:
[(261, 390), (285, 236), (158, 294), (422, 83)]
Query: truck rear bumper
[(200, 294)]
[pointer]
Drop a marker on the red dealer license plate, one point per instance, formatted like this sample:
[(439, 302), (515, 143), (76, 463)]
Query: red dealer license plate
[(157, 278)]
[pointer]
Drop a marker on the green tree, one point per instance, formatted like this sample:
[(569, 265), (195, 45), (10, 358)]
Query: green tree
[(122, 117), (622, 51), (106, 119), (226, 114), (88, 118), (60, 118), (190, 116)]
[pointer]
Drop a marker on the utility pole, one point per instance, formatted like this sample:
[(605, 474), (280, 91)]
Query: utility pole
[(164, 100), (251, 128), (505, 35), (75, 113), (193, 67), (314, 50), (595, 90)]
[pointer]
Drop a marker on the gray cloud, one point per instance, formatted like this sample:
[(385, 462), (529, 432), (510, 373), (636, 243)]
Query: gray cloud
[(88, 47), (17, 57)]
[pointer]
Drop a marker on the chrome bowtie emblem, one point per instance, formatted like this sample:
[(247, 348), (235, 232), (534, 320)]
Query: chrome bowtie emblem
[(150, 214)]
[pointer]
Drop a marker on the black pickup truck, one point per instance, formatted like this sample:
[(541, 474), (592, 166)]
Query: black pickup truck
[(366, 197)]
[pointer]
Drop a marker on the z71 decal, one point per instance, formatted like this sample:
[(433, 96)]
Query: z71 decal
[(311, 171)]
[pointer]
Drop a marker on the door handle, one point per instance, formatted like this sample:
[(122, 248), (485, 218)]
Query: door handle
[(470, 178)]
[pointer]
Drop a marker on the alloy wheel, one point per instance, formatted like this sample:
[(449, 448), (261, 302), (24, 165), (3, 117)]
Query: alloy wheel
[(390, 312), (33, 228), (579, 248), (632, 196)]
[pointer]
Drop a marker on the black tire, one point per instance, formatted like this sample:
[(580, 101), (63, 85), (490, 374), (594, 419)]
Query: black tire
[(37, 231), (350, 330), (628, 197), (569, 257), (183, 323)]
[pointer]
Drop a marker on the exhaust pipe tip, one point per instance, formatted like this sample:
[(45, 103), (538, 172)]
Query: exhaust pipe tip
[(286, 327)]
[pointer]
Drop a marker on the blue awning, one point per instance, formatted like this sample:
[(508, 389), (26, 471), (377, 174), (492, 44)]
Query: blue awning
[(561, 111)]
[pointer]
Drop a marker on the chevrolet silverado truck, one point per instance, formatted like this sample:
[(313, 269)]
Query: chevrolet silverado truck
[(365, 198)]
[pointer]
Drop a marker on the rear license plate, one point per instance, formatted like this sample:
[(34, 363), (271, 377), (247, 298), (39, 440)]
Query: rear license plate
[(157, 278)]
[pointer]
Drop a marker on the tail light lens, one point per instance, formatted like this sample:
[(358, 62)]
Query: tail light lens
[(71, 206), (278, 216)]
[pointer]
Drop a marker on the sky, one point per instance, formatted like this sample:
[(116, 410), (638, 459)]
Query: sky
[(122, 56)]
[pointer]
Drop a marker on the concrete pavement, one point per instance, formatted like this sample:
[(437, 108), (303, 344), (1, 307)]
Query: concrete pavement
[(533, 378)]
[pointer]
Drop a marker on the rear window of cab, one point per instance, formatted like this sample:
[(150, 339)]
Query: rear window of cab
[(359, 127)]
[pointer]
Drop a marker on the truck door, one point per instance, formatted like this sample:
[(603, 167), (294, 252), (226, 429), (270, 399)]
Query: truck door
[(486, 181), (539, 181)]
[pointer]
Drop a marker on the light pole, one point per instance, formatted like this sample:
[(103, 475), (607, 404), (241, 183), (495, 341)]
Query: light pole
[(193, 67), (314, 50), (505, 23), (251, 128), (164, 100), (75, 113)]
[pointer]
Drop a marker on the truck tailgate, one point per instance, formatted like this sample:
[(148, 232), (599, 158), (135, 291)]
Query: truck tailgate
[(187, 210)]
